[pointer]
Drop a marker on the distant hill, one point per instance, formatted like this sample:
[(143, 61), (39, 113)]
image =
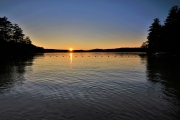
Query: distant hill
[(101, 50)]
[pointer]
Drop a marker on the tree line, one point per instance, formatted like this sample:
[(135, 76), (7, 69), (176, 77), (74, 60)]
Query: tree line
[(13, 40), (164, 37)]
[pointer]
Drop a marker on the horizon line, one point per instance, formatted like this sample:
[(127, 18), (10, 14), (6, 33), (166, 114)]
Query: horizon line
[(92, 49)]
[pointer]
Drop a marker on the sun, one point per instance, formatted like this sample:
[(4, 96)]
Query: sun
[(71, 49)]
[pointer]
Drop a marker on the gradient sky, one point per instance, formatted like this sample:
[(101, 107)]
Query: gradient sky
[(86, 24)]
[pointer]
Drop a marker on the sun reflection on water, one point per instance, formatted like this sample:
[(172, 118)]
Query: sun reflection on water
[(71, 55)]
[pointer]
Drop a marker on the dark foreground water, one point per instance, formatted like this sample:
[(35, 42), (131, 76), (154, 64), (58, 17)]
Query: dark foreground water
[(89, 86)]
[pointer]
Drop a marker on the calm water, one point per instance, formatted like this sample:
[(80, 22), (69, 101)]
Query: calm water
[(89, 86)]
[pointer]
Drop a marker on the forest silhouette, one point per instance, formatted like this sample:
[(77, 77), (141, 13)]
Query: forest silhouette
[(165, 38), (161, 38), (13, 41)]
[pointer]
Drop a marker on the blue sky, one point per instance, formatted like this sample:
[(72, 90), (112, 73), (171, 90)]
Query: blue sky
[(86, 24)]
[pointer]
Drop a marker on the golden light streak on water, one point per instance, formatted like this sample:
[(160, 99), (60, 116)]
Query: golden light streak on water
[(71, 58)]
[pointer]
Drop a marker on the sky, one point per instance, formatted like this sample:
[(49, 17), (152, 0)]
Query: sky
[(86, 24)]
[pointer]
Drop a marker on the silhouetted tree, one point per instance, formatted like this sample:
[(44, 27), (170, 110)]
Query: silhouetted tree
[(171, 31), (154, 36), (27, 40), (12, 39), (5, 29), (17, 33), (165, 38), (145, 44)]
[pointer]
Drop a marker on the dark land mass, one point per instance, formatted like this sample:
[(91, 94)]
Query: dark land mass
[(13, 41), (11, 48), (101, 50), (164, 38)]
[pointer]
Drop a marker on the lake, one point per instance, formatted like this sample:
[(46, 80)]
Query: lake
[(89, 86)]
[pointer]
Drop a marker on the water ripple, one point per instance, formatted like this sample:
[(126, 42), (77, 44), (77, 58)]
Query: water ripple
[(91, 87)]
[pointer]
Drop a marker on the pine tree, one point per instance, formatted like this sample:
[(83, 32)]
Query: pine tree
[(154, 36), (171, 33), (5, 29)]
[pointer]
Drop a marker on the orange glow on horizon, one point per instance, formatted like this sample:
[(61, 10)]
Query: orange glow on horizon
[(85, 46)]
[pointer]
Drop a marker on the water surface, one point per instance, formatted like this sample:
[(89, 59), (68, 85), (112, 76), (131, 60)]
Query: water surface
[(89, 86)]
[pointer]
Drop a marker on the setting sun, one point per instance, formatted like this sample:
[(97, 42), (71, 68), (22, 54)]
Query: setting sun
[(70, 49)]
